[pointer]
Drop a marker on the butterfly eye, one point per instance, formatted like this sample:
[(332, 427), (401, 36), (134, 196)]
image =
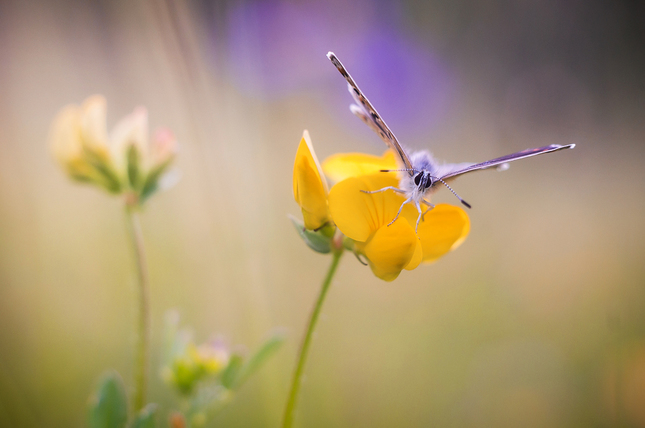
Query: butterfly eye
[(428, 182), (417, 178)]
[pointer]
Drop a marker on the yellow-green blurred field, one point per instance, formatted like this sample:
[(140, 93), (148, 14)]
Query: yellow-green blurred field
[(537, 320)]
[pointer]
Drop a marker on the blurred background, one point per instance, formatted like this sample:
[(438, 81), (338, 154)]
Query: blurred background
[(537, 320)]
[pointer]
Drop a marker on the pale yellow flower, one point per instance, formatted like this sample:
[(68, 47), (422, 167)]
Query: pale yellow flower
[(125, 161)]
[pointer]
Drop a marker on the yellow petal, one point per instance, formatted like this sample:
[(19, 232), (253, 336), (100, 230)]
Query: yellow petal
[(417, 257), (65, 135), (344, 165), (309, 186), (93, 128), (358, 214), (390, 249), (445, 227), (66, 144)]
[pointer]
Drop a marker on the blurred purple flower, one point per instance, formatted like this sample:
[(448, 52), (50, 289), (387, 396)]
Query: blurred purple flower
[(408, 84), (278, 47)]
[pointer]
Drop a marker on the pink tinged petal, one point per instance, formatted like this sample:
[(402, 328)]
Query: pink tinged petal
[(130, 131), (163, 147)]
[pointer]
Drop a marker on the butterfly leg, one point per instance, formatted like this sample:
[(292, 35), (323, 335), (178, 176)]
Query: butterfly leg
[(421, 214), (401, 208), (430, 206), (383, 190)]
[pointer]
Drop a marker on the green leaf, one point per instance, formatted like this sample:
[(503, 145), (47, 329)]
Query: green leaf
[(315, 240), (146, 417), (259, 358), (108, 404), (232, 370)]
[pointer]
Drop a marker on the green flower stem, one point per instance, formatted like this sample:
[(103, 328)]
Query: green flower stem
[(304, 347), (143, 322)]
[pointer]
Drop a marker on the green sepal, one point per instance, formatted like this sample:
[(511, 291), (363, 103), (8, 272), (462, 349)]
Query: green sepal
[(146, 417), (134, 167), (151, 182), (104, 173), (349, 244), (316, 240), (108, 404)]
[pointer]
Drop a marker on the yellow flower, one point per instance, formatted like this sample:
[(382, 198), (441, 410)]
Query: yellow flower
[(310, 187), (123, 161), (364, 218), (196, 364), (212, 357)]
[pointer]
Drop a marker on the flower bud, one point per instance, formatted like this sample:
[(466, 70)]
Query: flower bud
[(78, 140)]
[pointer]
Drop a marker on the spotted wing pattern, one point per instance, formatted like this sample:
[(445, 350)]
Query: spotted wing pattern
[(504, 159), (368, 114)]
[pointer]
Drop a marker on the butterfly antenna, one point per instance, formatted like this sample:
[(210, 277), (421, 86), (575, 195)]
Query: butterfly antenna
[(455, 193), (396, 170)]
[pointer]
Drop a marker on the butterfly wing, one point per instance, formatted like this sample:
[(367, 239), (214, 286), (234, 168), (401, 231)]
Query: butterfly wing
[(368, 114), (446, 169), (454, 170)]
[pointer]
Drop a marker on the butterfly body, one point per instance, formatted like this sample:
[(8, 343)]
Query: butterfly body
[(420, 181), (423, 178), (421, 173)]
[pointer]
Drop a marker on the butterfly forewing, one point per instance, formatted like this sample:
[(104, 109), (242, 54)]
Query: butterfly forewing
[(365, 117), (370, 116), (504, 159)]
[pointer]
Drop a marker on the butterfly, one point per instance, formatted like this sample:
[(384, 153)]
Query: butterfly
[(422, 173)]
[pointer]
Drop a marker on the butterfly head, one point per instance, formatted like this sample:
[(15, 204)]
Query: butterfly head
[(423, 180)]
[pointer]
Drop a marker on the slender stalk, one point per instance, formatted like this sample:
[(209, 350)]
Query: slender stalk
[(143, 322), (306, 342)]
